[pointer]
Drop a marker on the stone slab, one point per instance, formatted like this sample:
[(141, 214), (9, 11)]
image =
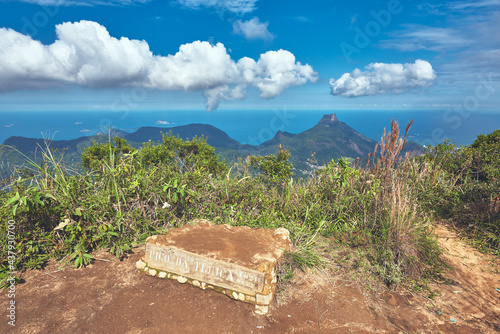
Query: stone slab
[(237, 261), (227, 275)]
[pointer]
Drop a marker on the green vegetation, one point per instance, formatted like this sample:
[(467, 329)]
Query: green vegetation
[(274, 168), (329, 139), (471, 198), (379, 212)]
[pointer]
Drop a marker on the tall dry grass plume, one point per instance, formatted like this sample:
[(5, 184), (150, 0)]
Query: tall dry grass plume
[(391, 146), (405, 227)]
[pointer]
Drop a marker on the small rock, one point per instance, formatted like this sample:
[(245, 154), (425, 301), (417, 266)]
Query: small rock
[(259, 309), (282, 233), (140, 265), (264, 299), (478, 315)]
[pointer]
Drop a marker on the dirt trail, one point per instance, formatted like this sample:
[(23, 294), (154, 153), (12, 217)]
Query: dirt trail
[(471, 292), (113, 297)]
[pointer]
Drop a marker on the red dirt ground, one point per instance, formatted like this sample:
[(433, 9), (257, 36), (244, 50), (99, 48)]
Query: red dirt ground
[(114, 297)]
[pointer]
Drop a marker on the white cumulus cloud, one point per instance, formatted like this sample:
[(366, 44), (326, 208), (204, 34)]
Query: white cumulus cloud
[(85, 54), (252, 29), (381, 78), (232, 6)]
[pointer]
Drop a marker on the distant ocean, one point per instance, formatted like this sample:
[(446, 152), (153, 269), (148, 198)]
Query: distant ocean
[(251, 127)]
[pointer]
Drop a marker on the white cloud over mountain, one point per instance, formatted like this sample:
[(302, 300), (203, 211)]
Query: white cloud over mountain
[(85, 54), (232, 6), (252, 29), (381, 78)]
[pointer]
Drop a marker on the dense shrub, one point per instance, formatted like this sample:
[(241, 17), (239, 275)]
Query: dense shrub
[(273, 168), (472, 198), (185, 155), (98, 155)]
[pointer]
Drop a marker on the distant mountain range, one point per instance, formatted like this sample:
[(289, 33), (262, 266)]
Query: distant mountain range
[(329, 139)]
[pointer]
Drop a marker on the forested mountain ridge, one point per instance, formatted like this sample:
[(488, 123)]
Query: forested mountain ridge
[(328, 139)]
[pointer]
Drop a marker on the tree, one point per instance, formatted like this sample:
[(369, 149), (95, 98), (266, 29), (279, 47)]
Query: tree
[(185, 155), (94, 156), (275, 168)]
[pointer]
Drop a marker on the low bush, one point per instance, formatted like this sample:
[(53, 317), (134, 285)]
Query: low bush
[(471, 199)]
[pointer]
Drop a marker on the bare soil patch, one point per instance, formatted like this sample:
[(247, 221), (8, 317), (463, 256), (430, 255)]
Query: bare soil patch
[(113, 297)]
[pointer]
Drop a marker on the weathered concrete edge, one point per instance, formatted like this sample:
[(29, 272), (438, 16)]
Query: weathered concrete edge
[(261, 302), (161, 258)]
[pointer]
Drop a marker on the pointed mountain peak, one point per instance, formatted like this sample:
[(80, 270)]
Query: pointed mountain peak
[(281, 134), (329, 119)]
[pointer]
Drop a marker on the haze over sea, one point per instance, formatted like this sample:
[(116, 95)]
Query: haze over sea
[(250, 126)]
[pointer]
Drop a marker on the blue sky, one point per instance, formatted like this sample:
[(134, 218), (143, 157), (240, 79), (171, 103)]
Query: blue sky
[(249, 54)]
